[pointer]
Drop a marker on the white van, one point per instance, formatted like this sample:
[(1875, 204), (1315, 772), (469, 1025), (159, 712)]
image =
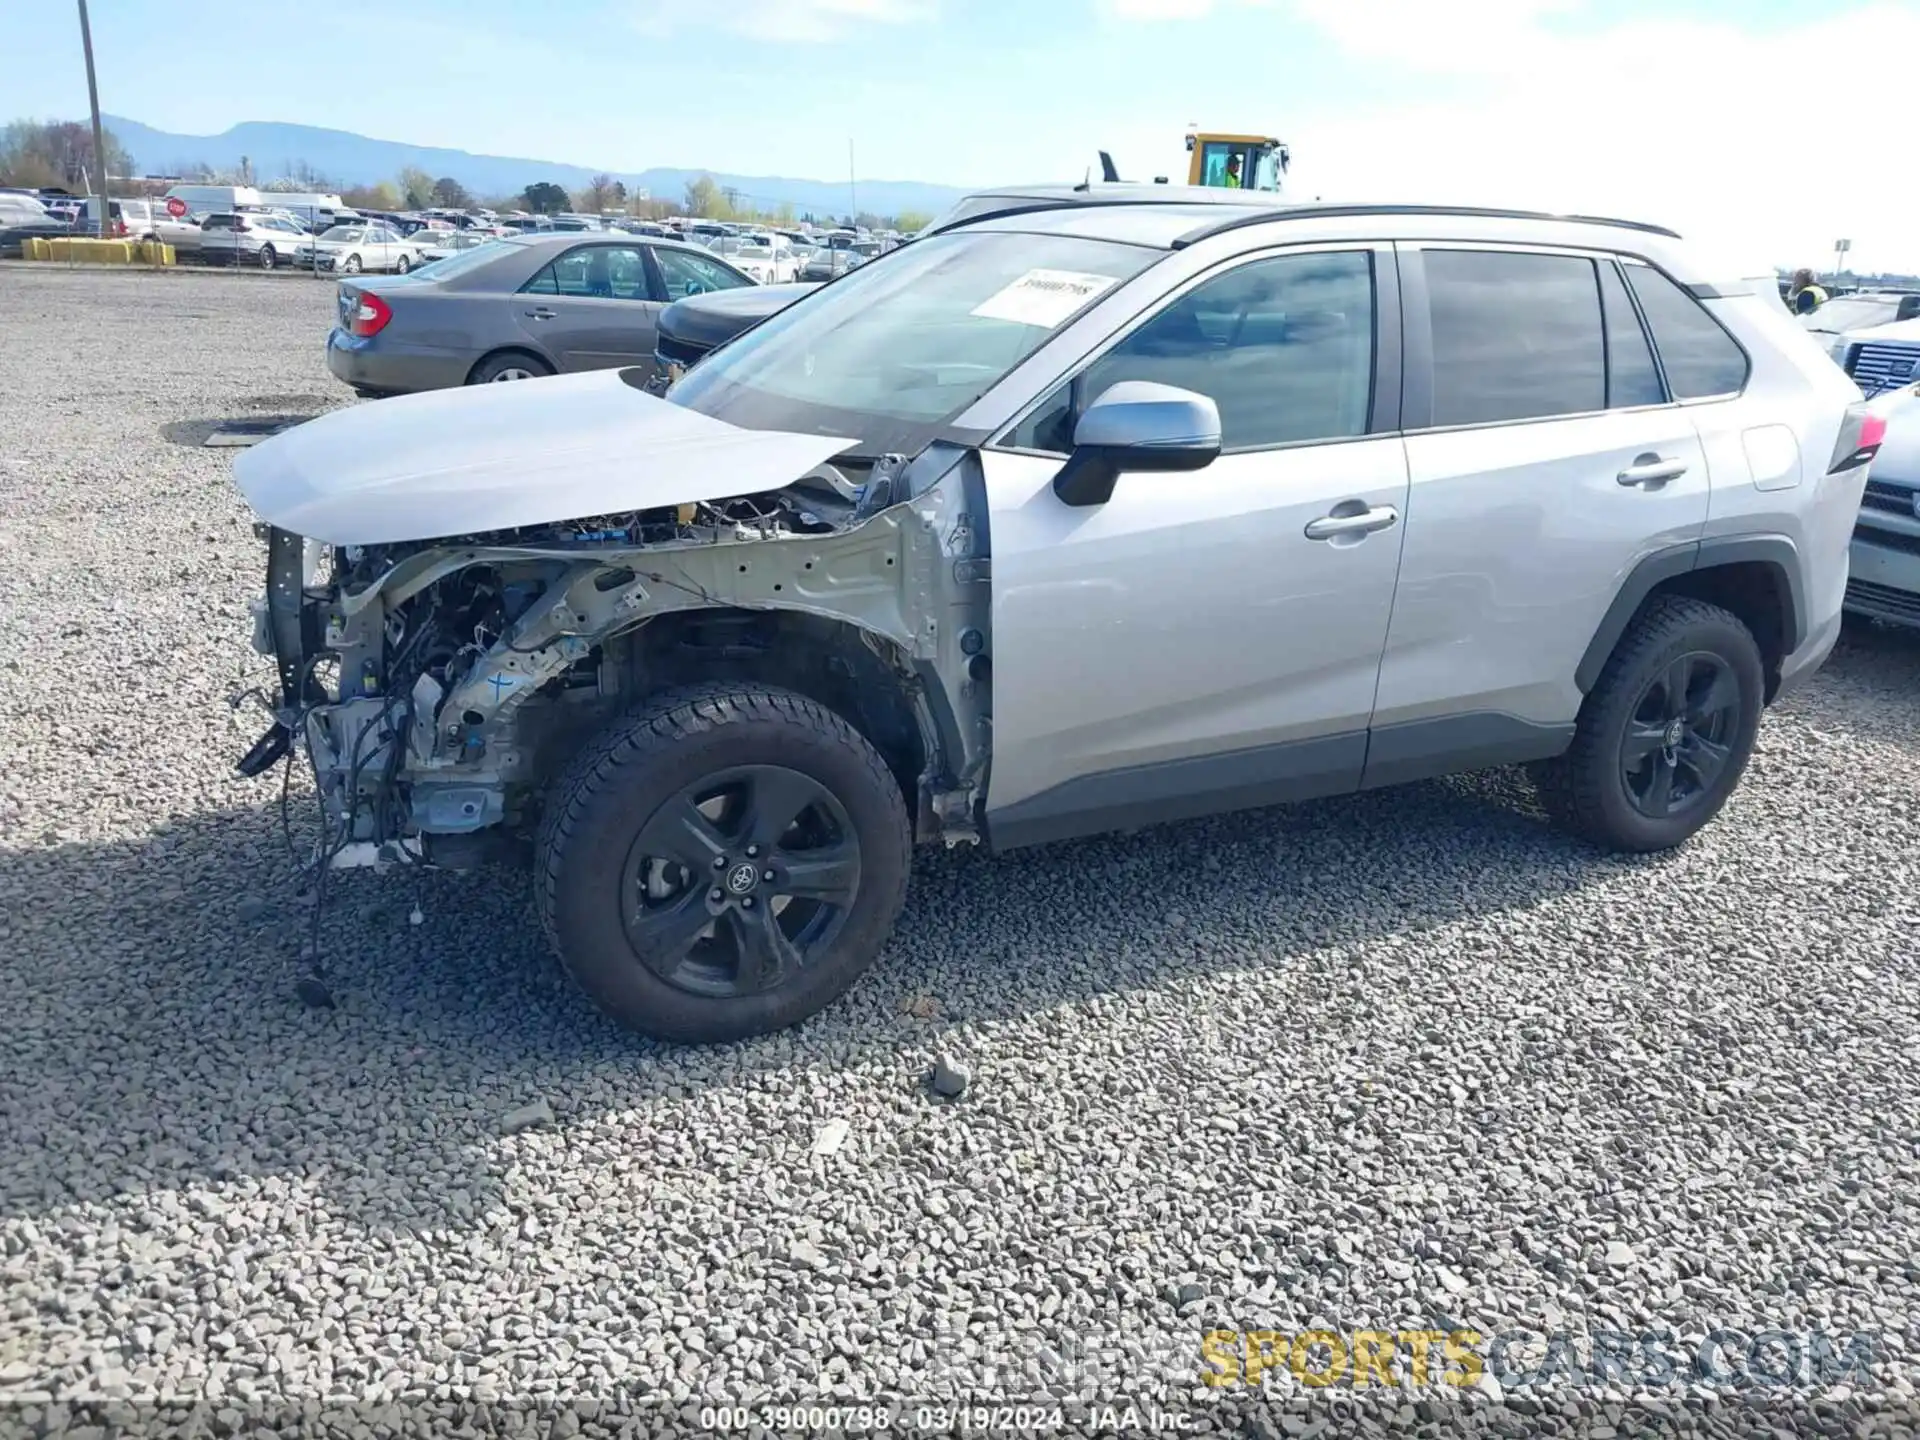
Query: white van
[(202, 199)]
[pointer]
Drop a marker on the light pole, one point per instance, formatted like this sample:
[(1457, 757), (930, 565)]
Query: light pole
[(99, 136)]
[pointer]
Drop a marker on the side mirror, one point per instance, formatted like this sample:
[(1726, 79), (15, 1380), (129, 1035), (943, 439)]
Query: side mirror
[(1137, 425)]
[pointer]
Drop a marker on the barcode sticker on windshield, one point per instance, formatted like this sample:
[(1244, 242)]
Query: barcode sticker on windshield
[(1043, 297)]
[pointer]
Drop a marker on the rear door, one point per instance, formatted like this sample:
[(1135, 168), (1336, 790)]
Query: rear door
[(592, 308), (1545, 460)]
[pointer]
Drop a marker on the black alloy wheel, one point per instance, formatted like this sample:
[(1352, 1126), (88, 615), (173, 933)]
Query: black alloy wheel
[(740, 880), (1680, 739)]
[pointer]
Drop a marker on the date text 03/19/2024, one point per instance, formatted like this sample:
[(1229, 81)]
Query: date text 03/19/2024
[(944, 1418)]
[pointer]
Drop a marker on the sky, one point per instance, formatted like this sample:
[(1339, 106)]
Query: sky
[(1737, 122)]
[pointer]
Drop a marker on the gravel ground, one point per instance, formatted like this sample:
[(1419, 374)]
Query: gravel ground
[(1406, 1061)]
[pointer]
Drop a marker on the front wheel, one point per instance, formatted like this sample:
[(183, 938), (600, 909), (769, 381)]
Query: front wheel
[(1665, 733), (402, 265), (722, 863), (351, 265), (267, 257)]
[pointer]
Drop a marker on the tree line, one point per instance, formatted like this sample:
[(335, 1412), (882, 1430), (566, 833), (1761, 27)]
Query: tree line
[(43, 154)]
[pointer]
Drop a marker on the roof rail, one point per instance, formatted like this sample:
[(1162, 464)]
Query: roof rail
[(1079, 200), (1312, 212)]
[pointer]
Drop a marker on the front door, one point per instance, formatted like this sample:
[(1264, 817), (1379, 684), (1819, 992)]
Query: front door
[(1210, 640), (593, 308)]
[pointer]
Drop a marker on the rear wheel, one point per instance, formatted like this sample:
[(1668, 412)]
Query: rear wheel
[(402, 265), (267, 257), (1665, 733), (723, 863), (509, 365)]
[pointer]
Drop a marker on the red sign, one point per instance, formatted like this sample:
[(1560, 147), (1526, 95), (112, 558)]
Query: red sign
[(176, 207)]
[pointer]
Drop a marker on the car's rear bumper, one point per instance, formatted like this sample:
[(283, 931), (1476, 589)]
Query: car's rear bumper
[(391, 365)]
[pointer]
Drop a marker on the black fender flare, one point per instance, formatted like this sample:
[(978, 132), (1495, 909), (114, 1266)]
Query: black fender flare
[(1776, 552)]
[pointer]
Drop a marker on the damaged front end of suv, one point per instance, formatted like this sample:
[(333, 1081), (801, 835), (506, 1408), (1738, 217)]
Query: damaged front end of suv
[(460, 601)]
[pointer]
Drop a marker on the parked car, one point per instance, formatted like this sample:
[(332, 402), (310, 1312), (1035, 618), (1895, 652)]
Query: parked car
[(1048, 525), (765, 261), (183, 233), (526, 306), (826, 264), (351, 249), (1866, 310), (692, 328), (1884, 582), (439, 244), (23, 218), (242, 238)]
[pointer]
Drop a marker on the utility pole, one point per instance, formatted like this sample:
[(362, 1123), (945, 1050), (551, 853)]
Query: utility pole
[(99, 136), (853, 188)]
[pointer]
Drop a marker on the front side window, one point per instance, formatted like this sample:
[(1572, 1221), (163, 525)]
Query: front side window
[(1700, 358), (1516, 336), (686, 274), (1283, 346)]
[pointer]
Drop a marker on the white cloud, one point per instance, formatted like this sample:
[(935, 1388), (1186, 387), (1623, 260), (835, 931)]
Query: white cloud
[(1743, 137), (796, 22)]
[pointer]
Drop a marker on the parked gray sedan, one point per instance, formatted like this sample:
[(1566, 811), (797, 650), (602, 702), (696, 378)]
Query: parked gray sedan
[(516, 308)]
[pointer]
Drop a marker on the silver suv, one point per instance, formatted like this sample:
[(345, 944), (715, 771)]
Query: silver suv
[(1057, 522)]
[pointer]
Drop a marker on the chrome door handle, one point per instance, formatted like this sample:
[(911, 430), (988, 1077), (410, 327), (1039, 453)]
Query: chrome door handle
[(542, 313), (1365, 522), (1651, 470)]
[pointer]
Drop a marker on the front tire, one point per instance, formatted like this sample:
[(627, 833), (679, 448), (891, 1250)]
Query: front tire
[(267, 257), (1665, 733), (723, 863), (402, 265), (351, 265)]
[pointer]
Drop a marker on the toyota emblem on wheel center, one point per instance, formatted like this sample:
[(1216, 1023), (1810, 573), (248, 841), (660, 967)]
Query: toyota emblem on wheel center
[(742, 878)]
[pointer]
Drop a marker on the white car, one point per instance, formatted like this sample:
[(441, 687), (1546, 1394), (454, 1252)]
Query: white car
[(350, 249), (1839, 323), (439, 244), (251, 238), (769, 260)]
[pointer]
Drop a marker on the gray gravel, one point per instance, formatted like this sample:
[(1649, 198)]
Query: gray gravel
[(1398, 1061)]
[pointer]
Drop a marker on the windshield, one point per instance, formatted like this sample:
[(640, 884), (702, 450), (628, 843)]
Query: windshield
[(1836, 317), (891, 352), (342, 233)]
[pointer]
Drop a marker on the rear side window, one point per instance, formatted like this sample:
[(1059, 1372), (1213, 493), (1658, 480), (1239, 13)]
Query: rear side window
[(1700, 358), (1631, 376), (1515, 336)]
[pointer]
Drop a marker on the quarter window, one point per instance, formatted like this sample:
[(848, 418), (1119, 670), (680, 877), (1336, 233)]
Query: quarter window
[(1700, 358), (1631, 376), (1516, 336), (1284, 346)]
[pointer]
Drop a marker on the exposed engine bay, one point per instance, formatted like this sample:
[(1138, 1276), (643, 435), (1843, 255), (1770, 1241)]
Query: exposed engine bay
[(437, 686)]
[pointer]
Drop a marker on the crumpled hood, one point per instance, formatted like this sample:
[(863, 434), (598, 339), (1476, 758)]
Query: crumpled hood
[(492, 457)]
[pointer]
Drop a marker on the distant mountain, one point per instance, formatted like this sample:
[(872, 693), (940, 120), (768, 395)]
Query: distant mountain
[(274, 149)]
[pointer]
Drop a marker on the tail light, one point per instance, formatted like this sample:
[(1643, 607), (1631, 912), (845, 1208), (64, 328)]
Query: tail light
[(1861, 432), (369, 316)]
